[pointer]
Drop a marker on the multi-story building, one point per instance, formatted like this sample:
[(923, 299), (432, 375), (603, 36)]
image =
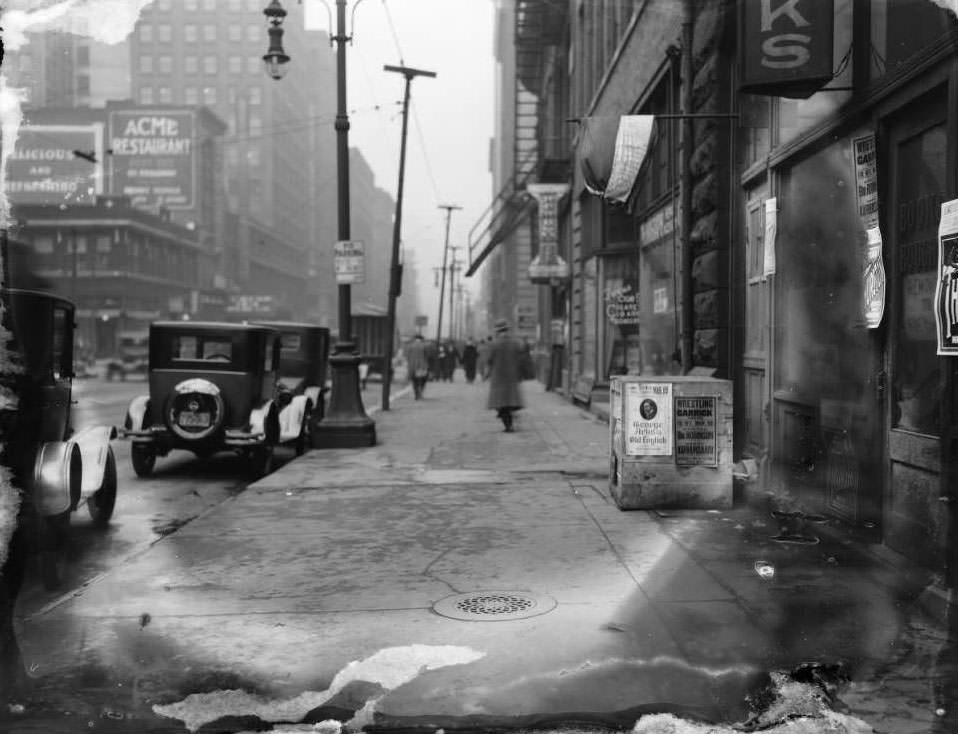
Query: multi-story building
[(203, 52), (785, 229), (68, 69), (122, 266)]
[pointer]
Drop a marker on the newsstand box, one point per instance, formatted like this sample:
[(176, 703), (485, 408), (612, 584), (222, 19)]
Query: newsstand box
[(671, 442)]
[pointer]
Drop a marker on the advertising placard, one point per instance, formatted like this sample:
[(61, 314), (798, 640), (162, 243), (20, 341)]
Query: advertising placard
[(153, 157), (695, 431), (349, 262), (873, 306), (865, 155), (44, 168), (946, 290), (648, 418)]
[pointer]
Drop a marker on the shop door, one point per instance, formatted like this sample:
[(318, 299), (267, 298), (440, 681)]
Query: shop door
[(913, 518)]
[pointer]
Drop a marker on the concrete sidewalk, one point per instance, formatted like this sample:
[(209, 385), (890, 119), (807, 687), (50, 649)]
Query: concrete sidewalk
[(333, 586)]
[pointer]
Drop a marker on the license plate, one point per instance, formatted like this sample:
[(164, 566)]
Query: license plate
[(194, 420)]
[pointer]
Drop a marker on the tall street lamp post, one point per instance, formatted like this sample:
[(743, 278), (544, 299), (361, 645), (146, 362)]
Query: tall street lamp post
[(345, 424), (395, 269)]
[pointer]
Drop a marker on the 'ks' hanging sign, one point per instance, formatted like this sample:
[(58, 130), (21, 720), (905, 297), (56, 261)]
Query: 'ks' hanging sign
[(786, 46)]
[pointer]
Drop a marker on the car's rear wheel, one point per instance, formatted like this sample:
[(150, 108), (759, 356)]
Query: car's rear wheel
[(102, 502), (260, 461), (144, 459)]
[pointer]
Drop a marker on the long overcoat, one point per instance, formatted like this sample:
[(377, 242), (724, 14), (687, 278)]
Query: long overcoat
[(416, 357), (505, 354)]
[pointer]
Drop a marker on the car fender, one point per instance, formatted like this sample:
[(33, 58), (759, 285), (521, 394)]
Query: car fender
[(136, 413), (94, 443), (314, 393), (57, 477), (263, 420), (291, 418)]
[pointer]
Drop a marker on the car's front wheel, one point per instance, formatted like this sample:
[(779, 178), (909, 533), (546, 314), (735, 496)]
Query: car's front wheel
[(101, 503), (144, 459), (260, 460)]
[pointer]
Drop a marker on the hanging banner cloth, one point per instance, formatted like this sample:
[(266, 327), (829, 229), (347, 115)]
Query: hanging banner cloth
[(611, 153)]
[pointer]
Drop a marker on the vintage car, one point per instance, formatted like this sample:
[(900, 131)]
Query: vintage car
[(304, 355), (212, 387), (132, 357), (62, 468)]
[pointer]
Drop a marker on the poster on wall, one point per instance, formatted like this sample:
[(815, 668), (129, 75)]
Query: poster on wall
[(946, 289), (873, 303), (865, 156), (695, 432), (648, 418), (771, 230)]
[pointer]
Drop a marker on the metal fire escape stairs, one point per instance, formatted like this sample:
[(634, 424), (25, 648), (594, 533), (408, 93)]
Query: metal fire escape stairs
[(539, 24)]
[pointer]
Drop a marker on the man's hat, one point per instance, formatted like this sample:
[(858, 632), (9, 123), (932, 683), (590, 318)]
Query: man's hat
[(501, 325)]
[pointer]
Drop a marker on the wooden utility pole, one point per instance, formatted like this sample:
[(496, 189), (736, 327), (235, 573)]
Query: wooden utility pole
[(395, 268)]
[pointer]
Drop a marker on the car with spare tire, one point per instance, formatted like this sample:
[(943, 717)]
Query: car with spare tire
[(213, 386)]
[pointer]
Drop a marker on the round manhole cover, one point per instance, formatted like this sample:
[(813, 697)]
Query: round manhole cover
[(494, 606)]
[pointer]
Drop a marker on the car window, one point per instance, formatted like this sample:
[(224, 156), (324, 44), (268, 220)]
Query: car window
[(62, 343), (201, 349), (291, 342), (184, 347), (217, 350)]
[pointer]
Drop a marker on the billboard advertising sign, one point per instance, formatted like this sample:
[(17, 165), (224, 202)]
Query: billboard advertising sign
[(153, 157), (45, 168)]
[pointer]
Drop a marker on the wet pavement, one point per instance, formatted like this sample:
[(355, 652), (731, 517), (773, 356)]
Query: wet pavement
[(458, 577)]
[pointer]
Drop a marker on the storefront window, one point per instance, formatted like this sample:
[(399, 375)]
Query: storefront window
[(589, 321), (916, 378), (619, 327), (658, 338), (755, 127), (798, 115), (822, 346), (900, 30)]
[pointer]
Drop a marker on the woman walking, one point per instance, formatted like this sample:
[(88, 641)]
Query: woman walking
[(505, 354)]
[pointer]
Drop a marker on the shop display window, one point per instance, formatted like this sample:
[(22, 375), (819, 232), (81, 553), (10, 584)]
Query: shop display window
[(900, 30), (823, 351), (620, 315), (916, 379)]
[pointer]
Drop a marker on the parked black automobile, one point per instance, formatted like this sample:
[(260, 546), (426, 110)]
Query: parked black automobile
[(304, 356), (212, 387), (61, 468)]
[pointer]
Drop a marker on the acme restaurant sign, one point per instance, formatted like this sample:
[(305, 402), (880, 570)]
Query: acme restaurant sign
[(786, 46)]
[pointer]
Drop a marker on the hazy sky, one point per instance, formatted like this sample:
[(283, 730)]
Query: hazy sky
[(451, 116)]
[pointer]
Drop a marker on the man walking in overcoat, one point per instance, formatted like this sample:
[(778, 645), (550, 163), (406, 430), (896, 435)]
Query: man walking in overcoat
[(505, 354)]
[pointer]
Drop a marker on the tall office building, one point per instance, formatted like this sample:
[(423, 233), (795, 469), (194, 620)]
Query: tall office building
[(209, 52)]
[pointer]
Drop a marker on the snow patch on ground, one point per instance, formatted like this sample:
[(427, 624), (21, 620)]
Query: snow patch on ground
[(390, 668), (830, 723)]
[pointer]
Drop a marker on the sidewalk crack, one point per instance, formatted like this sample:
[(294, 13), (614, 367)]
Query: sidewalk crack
[(427, 571)]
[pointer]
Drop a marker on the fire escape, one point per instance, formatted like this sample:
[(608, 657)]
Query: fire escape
[(540, 145)]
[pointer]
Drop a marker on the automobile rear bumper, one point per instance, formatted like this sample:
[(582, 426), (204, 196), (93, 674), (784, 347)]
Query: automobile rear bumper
[(231, 437)]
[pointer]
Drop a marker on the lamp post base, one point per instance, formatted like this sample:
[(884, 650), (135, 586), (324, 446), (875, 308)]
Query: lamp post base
[(345, 424)]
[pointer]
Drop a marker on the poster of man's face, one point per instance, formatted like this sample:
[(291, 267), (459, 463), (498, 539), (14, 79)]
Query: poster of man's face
[(648, 409)]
